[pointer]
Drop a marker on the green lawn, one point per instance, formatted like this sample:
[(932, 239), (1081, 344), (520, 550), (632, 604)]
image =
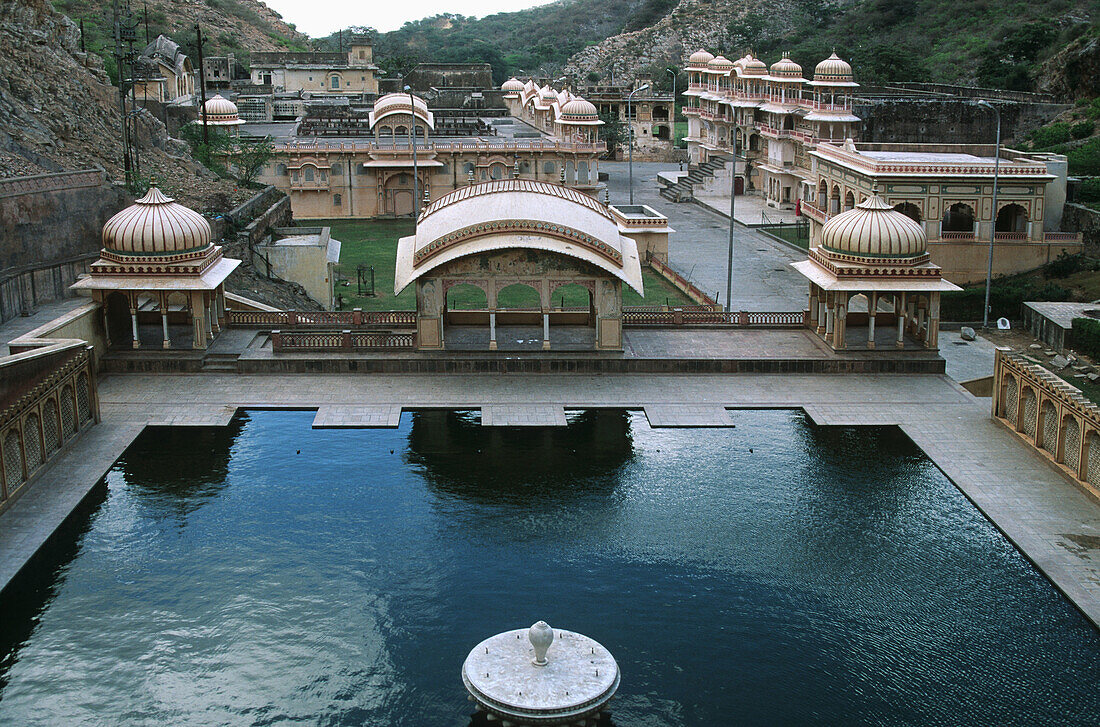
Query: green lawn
[(790, 234), (374, 242)]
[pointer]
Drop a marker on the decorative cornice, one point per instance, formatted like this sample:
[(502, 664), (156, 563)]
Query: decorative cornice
[(536, 227)]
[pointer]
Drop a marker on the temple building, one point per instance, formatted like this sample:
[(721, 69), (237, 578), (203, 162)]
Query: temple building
[(164, 73), (796, 149), (331, 178), (496, 235), (561, 114), (878, 256), (159, 272), (318, 72)]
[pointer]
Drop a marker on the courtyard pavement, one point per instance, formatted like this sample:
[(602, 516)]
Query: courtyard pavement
[(763, 279), (1052, 521)]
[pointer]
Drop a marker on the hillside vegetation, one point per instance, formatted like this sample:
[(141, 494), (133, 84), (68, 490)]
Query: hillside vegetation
[(229, 26), (999, 43)]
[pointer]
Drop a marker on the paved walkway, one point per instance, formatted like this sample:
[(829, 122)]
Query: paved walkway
[(750, 209), (1042, 512), (763, 279), (45, 313)]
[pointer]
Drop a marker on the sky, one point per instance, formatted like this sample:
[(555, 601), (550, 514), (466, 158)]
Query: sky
[(321, 17)]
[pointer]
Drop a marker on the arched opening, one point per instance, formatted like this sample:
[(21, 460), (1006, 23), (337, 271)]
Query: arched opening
[(661, 132), (385, 131), (119, 325), (582, 173), (822, 192), (13, 460), (402, 131), (1050, 427), (910, 210), (1071, 443), (51, 426), (398, 195), (849, 201), (834, 201), (570, 172), (519, 296), (466, 297), (1028, 421), (497, 170), (32, 442), (571, 296), (754, 142), (1012, 218), (958, 218)]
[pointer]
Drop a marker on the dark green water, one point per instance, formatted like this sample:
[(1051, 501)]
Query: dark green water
[(830, 576)]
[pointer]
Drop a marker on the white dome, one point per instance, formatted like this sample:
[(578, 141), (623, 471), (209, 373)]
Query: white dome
[(874, 229), (220, 111), (700, 59), (754, 67), (833, 69), (512, 85), (720, 63), (156, 225), (786, 68), (579, 110)]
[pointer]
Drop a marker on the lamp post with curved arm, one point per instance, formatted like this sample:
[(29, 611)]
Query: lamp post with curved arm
[(630, 137), (412, 143), (993, 232)]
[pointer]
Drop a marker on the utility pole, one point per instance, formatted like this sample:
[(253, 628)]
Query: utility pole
[(146, 18), (202, 91), (120, 65)]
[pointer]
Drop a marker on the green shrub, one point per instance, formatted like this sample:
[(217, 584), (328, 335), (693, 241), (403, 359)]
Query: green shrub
[(1082, 129), (1064, 265), (1086, 337), (1085, 160), (1005, 300), (1087, 191), (1046, 136)]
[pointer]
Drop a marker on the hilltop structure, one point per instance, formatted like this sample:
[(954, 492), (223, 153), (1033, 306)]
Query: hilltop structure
[(318, 72), (164, 73)]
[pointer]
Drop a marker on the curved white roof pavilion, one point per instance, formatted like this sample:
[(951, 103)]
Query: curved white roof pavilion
[(398, 103), (517, 214)]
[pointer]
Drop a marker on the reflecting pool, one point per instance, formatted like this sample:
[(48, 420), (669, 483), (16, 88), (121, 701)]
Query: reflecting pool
[(775, 573)]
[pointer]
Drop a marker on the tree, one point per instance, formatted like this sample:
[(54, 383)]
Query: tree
[(613, 132), (251, 156)]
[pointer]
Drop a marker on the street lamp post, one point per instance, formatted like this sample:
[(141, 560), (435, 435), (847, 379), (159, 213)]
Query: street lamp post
[(733, 197), (412, 143), (993, 230), (673, 118), (630, 137)]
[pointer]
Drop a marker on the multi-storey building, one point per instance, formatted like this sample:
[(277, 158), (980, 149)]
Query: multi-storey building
[(316, 72), (164, 73), (369, 178), (795, 147), (773, 115)]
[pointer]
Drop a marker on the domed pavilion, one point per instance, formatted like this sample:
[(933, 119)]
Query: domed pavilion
[(875, 259), (158, 257)]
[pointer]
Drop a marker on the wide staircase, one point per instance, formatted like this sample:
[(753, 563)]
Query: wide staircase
[(684, 188)]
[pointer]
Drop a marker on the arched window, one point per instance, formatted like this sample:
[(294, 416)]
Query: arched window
[(849, 201), (337, 200), (401, 131), (280, 169), (549, 167), (308, 173), (334, 82), (958, 218), (910, 210), (1012, 218)]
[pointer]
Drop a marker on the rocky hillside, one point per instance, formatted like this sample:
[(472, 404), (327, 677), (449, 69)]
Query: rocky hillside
[(1074, 72), (974, 42), (236, 26)]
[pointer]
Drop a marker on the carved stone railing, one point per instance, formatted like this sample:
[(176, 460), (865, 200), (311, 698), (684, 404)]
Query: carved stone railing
[(1049, 414), (329, 319), (686, 317), (49, 397), (345, 340)]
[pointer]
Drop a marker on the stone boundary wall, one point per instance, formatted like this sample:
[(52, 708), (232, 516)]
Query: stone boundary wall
[(1049, 414), (916, 120), (49, 400), (1085, 220), (50, 228), (999, 94)]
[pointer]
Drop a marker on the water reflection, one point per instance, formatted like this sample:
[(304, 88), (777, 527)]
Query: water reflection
[(768, 574), (460, 458)]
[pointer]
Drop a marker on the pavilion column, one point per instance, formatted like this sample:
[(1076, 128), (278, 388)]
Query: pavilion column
[(872, 306), (899, 307), (829, 316), (492, 330), (841, 318), (106, 320), (545, 329), (933, 338), (215, 324), (133, 322), (821, 315), (813, 306), (164, 321), (198, 319)]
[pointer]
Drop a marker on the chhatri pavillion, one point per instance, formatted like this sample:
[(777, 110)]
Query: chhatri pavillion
[(518, 232), (880, 256)]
